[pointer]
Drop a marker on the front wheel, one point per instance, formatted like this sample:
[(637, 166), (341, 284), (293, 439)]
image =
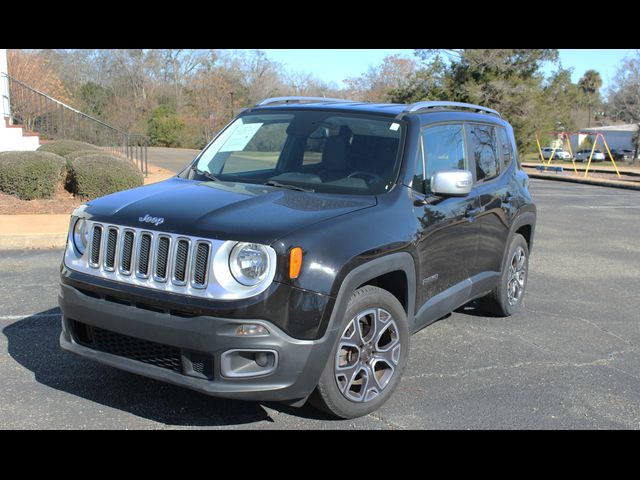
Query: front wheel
[(368, 358), (507, 297)]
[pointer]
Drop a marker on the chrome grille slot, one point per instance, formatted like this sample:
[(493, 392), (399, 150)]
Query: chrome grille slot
[(96, 242), (110, 250), (180, 262), (200, 265), (126, 252), (161, 263), (144, 255)]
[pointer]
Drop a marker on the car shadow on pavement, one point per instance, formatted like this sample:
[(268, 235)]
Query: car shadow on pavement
[(33, 342), (474, 308)]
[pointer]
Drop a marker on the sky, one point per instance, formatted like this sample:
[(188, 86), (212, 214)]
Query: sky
[(334, 65)]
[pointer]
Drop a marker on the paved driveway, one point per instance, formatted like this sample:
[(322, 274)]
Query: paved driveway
[(173, 159), (571, 360)]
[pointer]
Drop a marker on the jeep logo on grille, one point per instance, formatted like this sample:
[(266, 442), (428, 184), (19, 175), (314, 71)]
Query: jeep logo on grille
[(149, 219)]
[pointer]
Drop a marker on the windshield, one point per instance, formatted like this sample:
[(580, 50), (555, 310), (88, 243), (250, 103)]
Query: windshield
[(316, 151)]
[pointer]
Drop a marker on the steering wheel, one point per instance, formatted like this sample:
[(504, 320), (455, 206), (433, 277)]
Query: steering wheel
[(360, 173)]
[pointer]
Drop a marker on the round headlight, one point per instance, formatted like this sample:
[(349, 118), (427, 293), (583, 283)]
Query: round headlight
[(80, 235), (249, 263)]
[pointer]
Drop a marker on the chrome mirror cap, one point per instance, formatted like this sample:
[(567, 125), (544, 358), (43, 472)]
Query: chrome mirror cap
[(452, 183)]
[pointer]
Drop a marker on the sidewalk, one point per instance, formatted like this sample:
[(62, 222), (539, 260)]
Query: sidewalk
[(50, 231)]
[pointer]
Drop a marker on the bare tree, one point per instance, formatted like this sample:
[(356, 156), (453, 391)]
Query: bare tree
[(375, 84), (624, 96)]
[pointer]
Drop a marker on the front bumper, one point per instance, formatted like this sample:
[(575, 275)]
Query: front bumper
[(299, 362)]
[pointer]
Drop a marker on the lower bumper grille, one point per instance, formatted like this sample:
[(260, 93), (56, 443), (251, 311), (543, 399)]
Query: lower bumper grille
[(152, 353)]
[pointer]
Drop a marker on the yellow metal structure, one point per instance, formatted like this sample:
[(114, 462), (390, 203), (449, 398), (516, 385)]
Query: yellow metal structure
[(562, 135), (593, 149)]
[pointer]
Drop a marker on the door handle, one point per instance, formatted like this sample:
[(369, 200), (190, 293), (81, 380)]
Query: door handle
[(506, 201)]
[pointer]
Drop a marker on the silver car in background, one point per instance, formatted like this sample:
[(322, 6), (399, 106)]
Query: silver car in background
[(583, 156), (559, 155)]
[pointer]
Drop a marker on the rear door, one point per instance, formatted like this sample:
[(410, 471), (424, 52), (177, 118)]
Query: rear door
[(492, 155)]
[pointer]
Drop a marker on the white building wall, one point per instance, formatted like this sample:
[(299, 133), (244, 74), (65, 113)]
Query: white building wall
[(4, 84), (11, 139), (619, 140)]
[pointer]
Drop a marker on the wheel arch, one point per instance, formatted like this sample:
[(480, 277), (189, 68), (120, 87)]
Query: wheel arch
[(382, 272)]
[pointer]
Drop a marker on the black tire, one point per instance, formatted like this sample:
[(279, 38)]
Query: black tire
[(498, 301), (328, 395)]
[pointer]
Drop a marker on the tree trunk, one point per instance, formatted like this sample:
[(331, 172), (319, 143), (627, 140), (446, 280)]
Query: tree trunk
[(636, 150)]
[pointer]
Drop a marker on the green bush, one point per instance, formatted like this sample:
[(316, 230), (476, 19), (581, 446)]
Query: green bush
[(65, 147), (98, 175), (165, 128), (70, 157), (30, 175)]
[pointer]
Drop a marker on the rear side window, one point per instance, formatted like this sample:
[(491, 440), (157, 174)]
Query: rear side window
[(443, 149), (505, 148), (485, 151)]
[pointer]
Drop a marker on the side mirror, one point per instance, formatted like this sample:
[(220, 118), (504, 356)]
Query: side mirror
[(452, 183)]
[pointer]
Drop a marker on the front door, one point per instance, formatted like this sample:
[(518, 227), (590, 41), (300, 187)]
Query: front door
[(448, 230)]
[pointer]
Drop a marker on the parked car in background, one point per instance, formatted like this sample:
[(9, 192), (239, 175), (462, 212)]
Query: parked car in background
[(583, 156), (558, 155), (622, 155)]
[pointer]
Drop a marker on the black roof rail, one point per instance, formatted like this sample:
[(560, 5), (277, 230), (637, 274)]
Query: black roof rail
[(300, 99), (419, 106)]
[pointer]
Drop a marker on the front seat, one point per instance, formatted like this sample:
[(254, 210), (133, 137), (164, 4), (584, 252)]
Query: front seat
[(335, 156)]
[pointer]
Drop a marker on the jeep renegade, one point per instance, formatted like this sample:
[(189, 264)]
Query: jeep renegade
[(297, 253)]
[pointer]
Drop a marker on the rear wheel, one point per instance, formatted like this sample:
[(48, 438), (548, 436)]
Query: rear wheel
[(368, 358), (507, 297)]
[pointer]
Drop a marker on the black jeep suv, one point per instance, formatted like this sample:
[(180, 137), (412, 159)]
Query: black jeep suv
[(297, 253)]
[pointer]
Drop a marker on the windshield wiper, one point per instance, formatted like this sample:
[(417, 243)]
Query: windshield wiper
[(273, 183), (208, 175)]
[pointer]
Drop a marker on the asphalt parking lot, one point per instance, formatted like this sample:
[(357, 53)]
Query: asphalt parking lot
[(569, 361)]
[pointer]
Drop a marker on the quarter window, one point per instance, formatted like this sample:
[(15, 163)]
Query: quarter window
[(485, 151), (505, 145), (443, 147)]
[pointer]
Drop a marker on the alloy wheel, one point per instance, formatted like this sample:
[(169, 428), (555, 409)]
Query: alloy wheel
[(367, 355)]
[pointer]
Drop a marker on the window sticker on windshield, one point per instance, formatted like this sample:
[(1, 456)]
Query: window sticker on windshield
[(241, 137), (394, 126)]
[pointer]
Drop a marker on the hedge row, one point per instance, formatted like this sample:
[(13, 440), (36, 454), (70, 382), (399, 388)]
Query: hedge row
[(65, 147), (97, 175), (30, 175), (86, 171)]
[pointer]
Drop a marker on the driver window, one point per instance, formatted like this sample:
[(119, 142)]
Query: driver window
[(444, 149)]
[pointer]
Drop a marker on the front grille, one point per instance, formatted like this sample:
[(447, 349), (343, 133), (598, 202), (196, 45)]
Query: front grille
[(152, 353), (155, 257)]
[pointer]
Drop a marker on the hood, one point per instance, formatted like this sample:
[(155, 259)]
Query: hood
[(221, 210)]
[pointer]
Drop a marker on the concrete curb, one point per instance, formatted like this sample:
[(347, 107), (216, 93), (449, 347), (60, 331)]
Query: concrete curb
[(586, 181)]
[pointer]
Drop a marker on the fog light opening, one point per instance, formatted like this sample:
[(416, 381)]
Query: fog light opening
[(248, 363)]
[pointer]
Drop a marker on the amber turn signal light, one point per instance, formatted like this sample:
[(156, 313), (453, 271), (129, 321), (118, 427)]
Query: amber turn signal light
[(295, 262)]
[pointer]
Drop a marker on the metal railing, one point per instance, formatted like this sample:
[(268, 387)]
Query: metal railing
[(55, 120)]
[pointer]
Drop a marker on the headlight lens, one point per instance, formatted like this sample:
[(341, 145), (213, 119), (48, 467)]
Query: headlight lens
[(80, 235), (249, 263)]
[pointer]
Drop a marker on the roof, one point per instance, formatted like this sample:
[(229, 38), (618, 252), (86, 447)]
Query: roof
[(630, 127), (362, 107)]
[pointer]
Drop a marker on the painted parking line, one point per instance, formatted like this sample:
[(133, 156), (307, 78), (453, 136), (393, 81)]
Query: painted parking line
[(13, 318)]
